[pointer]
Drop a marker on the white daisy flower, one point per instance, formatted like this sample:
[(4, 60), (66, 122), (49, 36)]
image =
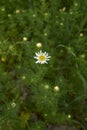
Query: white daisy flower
[(42, 57)]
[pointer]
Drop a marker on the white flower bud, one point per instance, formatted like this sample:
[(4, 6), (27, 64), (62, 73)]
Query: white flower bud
[(25, 38), (34, 15), (46, 86), (3, 9), (61, 24), (81, 34), (23, 77), (9, 15), (69, 116), (13, 104), (17, 11), (45, 34), (39, 45), (56, 88), (76, 4)]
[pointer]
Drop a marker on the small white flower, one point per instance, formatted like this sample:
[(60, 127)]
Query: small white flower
[(42, 57)]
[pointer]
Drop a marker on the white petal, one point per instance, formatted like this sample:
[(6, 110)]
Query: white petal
[(37, 62), (45, 62), (41, 52), (48, 56), (37, 54), (36, 57), (45, 53), (47, 59), (42, 62)]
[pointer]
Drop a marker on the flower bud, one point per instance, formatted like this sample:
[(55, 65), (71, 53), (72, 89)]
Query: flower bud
[(39, 45)]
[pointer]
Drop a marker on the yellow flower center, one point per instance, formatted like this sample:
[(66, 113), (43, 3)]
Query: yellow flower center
[(42, 58)]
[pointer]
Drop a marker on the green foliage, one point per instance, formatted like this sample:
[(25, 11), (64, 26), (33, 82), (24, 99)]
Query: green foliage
[(35, 95)]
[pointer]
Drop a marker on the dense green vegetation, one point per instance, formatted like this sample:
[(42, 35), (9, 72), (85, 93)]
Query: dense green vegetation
[(34, 95)]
